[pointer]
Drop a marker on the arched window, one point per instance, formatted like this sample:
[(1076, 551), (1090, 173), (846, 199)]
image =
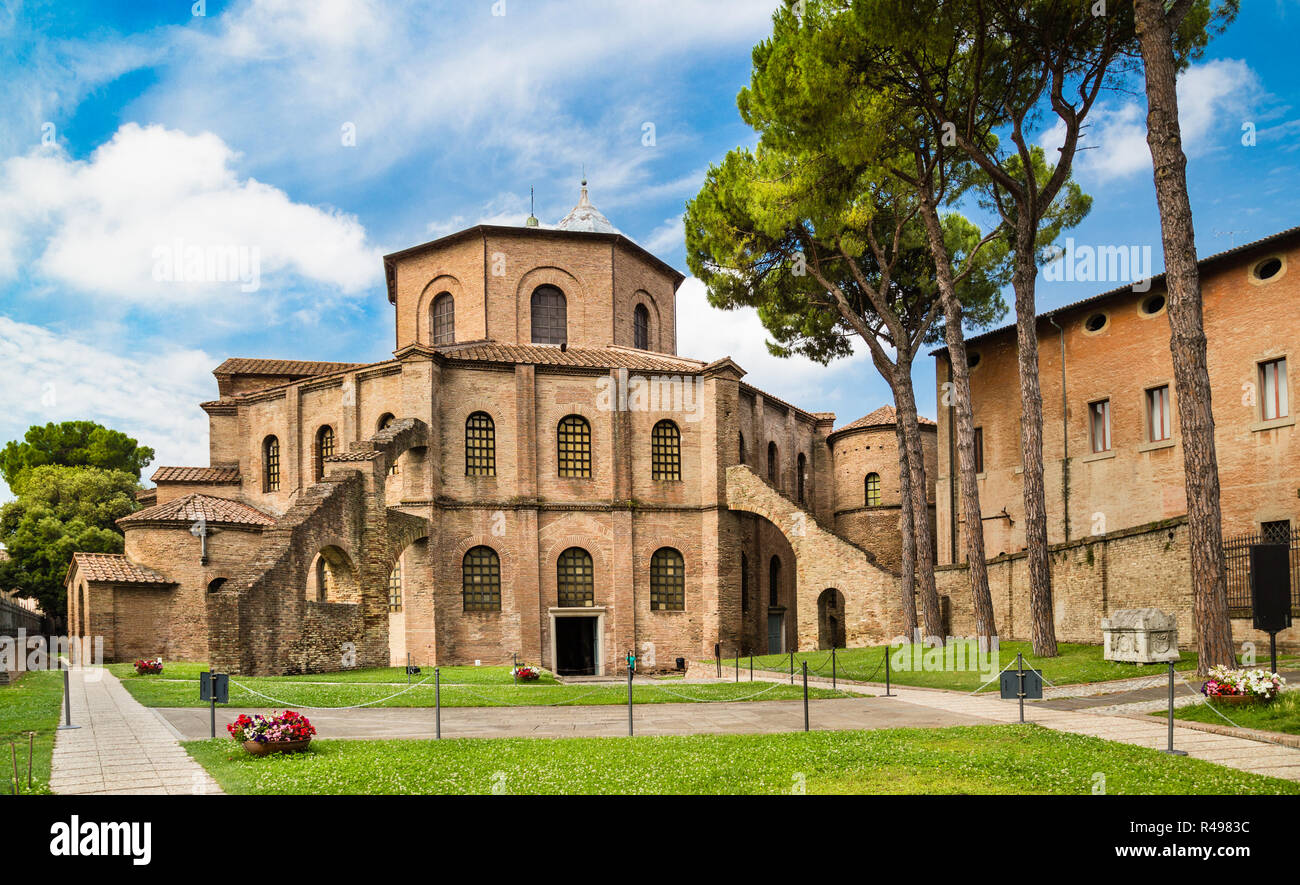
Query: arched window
[(442, 320), (270, 464), (667, 581), (641, 328), (665, 451), (480, 445), (742, 448), (771, 463), (481, 580), (324, 580), (744, 583), (549, 316), (573, 448), (216, 584), (574, 579), (385, 421), (873, 489), (802, 464), (395, 587), (324, 449), (774, 581)]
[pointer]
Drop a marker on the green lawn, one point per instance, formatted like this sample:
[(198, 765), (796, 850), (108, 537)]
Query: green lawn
[(162, 691), (33, 703), (1002, 759), (1281, 715), (187, 670), (1075, 664)]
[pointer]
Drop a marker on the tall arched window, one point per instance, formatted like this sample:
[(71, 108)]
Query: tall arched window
[(481, 580), (480, 445), (873, 489), (774, 581), (641, 328), (802, 464), (324, 580), (573, 447), (667, 581), (549, 316), (442, 320), (270, 464), (574, 579), (385, 421), (665, 451), (744, 583), (771, 463), (324, 449), (742, 448), (395, 587)]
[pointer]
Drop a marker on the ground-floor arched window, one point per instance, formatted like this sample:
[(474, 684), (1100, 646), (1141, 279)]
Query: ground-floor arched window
[(481, 580), (575, 579), (667, 581)]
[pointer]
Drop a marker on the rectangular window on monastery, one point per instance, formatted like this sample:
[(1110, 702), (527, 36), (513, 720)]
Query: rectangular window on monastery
[(1099, 422), (979, 449), (1273, 399), (1158, 414)]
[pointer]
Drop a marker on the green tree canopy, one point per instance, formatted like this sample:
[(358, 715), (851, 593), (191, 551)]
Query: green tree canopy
[(72, 444), (60, 511)]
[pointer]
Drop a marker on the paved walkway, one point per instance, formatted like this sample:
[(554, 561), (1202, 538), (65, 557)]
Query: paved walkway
[(121, 747)]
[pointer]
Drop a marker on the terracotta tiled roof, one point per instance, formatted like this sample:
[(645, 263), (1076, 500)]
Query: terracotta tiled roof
[(116, 568), (592, 357), (885, 416), (299, 368), (196, 474), (193, 507)]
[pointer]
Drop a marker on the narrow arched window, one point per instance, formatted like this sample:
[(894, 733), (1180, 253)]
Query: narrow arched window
[(386, 421), (744, 583), (575, 579), (802, 465), (481, 580), (873, 490), (324, 580), (641, 328), (442, 320), (480, 445), (774, 581), (270, 464), (549, 316), (742, 448), (395, 587), (771, 463), (216, 584), (665, 451), (667, 581), (324, 449), (573, 447)]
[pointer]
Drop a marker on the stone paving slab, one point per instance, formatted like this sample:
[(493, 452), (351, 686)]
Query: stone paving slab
[(121, 746)]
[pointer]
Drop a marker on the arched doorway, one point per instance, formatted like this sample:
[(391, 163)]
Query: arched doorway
[(830, 619)]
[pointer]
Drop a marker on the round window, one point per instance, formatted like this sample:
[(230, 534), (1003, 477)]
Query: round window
[(1153, 305), (972, 359), (1268, 268), (1095, 323)]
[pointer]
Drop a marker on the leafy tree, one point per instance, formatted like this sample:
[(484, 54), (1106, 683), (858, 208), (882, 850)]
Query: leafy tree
[(61, 510), (1169, 35), (73, 444)]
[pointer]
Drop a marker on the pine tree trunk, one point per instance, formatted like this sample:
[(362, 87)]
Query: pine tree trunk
[(985, 625), (907, 586), (906, 415), (1187, 339), (1042, 623)]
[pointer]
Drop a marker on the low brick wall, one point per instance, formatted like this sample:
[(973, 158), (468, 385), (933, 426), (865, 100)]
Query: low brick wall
[(1092, 577)]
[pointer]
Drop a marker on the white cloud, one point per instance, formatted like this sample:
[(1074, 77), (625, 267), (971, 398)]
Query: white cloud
[(152, 396), (667, 237), (704, 332), (103, 225), (1213, 98)]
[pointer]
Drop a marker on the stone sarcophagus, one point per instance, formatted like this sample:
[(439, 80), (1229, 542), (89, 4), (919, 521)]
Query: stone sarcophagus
[(1140, 636)]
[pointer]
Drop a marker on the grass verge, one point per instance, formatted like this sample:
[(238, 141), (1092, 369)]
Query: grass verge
[(1282, 715), (33, 703), (1001, 759), (189, 671)]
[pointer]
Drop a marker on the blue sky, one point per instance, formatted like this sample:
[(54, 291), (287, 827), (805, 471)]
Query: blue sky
[(130, 127)]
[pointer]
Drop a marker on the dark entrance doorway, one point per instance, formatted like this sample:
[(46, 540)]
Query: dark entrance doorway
[(575, 646)]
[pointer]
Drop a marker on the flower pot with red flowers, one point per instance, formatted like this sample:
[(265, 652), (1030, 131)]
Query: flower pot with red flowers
[(286, 732), (148, 668), (1240, 687), (526, 674)]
